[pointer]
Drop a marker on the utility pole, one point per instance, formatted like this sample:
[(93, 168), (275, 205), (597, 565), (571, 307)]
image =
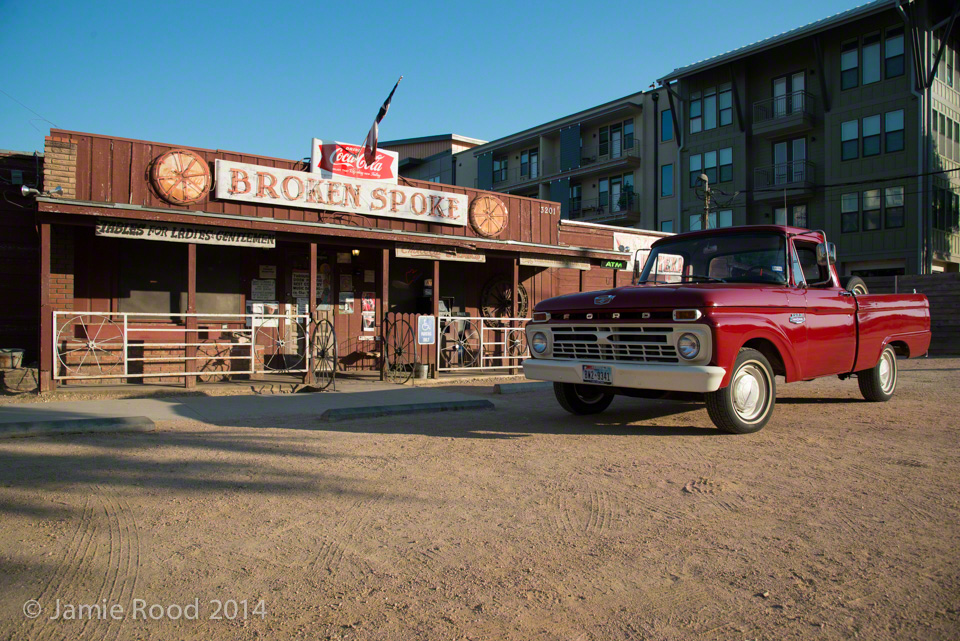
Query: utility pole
[(705, 217)]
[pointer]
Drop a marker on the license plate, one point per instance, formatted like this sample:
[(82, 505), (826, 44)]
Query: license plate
[(598, 374)]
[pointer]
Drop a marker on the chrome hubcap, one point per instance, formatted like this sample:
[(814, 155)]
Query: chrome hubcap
[(588, 396), (887, 372), (750, 391)]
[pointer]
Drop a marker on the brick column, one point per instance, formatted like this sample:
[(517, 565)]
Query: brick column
[(60, 165)]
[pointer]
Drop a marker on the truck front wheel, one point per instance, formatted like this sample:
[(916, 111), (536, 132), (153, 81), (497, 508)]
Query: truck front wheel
[(582, 399), (878, 384), (746, 404)]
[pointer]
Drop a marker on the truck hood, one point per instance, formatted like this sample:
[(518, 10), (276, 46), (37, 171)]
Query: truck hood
[(633, 297)]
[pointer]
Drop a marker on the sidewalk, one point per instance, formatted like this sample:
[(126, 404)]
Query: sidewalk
[(230, 409)]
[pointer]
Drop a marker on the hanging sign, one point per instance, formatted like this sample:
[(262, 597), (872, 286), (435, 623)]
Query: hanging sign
[(438, 253), (557, 263), (180, 233), (334, 160), (275, 187)]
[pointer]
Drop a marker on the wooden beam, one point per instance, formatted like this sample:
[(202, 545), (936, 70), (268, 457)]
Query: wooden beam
[(312, 309), (46, 381), (516, 309), (191, 335), (384, 305), (436, 311)]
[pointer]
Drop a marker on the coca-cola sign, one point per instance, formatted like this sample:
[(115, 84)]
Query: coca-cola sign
[(338, 159)]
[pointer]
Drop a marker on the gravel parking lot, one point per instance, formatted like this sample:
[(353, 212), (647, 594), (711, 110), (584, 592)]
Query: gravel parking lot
[(839, 520)]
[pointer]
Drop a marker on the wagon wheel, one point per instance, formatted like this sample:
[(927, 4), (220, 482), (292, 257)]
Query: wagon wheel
[(96, 352), (459, 344), (496, 299), (324, 354), (282, 348), (516, 342), (213, 359), (181, 177), (488, 216), (400, 352)]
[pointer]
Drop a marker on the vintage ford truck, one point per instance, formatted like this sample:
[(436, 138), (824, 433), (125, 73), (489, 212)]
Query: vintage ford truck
[(717, 315)]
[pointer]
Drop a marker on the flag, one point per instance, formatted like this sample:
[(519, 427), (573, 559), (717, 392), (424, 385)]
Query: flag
[(370, 145)]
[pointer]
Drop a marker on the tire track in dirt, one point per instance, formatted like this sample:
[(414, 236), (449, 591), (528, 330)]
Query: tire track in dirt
[(338, 544), (126, 572), (714, 497)]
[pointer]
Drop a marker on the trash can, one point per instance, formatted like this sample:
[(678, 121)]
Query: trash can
[(423, 372), (11, 358)]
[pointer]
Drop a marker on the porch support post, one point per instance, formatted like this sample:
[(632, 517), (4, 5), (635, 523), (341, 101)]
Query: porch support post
[(384, 305), (312, 312), (616, 273), (190, 364), (436, 311), (47, 329), (516, 310)]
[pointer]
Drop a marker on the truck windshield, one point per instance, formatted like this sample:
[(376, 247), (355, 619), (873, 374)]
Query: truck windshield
[(749, 257)]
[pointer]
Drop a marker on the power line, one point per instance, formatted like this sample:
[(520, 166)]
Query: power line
[(853, 183), (28, 108)]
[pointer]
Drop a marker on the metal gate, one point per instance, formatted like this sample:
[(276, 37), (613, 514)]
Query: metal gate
[(476, 342), (119, 345)]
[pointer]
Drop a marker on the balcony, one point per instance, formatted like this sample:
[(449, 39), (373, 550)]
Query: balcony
[(625, 209), (946, 244), (610, 153), (784, 115), (794, 179), (515, 177)]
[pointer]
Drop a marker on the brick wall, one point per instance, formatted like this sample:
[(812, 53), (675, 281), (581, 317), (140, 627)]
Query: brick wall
[(61, 267), (60, 165)]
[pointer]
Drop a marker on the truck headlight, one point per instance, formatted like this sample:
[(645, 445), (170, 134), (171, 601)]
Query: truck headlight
[(688, 346), (539, 342)]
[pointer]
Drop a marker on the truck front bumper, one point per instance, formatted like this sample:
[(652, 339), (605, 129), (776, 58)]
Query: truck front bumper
[(673, 378)]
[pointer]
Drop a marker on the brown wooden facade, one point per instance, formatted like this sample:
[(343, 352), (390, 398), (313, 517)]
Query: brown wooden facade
[(109, 178)]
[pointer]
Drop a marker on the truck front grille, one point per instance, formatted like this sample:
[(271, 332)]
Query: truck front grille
[(638, 344)]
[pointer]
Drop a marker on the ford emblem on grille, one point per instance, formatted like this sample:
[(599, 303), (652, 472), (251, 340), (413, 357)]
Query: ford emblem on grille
[(603, 300)]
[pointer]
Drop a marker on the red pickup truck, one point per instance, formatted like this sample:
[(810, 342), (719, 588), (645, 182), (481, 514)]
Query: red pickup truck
[(718, 314)]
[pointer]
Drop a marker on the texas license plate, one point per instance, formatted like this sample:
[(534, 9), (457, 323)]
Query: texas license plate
[(598, 374)]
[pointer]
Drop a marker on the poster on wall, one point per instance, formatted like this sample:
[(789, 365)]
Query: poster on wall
[(258, 310), (369, 322), (268, 271), (630, 243), (300, 285), (343, 258), (368, 302), (346, 282), (346, 302), (263, 289), (369, 276), (325, 288)]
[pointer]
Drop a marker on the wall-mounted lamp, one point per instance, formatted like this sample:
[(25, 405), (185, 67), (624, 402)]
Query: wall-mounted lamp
[(26, 192), (355, 252)]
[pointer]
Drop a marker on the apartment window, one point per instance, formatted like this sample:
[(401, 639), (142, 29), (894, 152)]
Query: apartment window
[(530, 163), (604, 190), (710, 166), (499, 169), (796, 215), (871, 136), (666, 181), (949, 139), (666, 125), (725, 218), (850, 212), (939, 208), (788, 94), (893, 53), (722, 218), (710, 109), (628, 134), (893, 130), (871, 209), (956, 142), (849, 65), (621, 192), (943, 131), (871, 59), (849, 140), (666, 226), (936, 147), (800, 216), (726, 105), (789, 158), (948, 55), (434, 179), (604, 145), (726, 164), (893, 207), (696, 113), (575, 201), (696, 168)]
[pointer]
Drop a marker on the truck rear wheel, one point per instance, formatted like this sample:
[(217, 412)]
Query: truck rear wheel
[(746, 404), (582, 399), (878, 383)]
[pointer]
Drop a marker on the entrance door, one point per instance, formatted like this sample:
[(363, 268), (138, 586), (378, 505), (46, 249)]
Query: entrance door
[(780, 96), (796, 92), (615, 191), (616, 141), (780, 163), (798, 164)]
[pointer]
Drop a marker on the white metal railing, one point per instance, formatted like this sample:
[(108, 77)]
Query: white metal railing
[(106, 345), (476, 342)]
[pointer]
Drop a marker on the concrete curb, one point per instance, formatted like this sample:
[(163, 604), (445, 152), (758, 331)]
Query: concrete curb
[(77, 426), (520, 388), (376, 411)]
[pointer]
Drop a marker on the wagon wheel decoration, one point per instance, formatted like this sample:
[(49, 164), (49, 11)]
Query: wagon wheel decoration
[(181, 177), (213, 359), (516, 342), (488, 216), (459, 344), (324, 354), (281, 347), (90, 346), (496, 299), (400, 352)]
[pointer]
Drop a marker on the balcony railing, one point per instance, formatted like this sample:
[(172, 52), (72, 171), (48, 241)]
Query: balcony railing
[(791, 104), (605, 209), (793, 174), (612, 150), (515, 176), (946, 242)]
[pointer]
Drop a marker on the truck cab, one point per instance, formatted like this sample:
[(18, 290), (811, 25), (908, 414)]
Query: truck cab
[(719, 314)]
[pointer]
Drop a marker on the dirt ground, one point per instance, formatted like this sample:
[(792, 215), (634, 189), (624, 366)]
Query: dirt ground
[(839, 520)]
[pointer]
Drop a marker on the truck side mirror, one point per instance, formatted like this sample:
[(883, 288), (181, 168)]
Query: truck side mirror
[(826, 254), (636, 268)]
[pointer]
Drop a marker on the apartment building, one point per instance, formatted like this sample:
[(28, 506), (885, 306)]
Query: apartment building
[(595, 163), (430, 157), (837, 125)]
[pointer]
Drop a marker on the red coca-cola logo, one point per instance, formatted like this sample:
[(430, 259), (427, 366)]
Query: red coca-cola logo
[(348, 160)]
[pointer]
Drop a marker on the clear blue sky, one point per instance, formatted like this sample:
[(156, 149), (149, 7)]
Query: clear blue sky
[(265, 77)]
